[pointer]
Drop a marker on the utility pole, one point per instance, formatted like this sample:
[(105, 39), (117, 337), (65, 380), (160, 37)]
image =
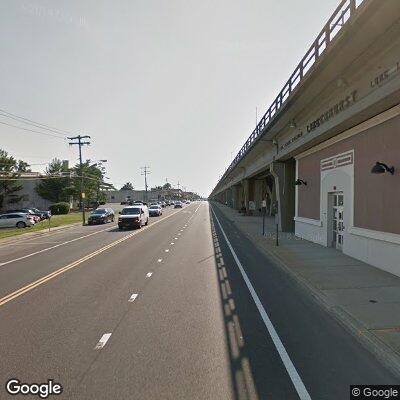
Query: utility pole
[(77, 140), (145, 172)]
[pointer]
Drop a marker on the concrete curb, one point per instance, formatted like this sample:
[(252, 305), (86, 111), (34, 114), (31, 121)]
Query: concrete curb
[(368, 339), (43, 232)]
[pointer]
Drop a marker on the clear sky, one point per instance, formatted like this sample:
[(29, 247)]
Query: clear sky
[(171, 84)]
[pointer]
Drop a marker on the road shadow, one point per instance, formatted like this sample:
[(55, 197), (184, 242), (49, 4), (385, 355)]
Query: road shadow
[(238, 330), (116, 229)]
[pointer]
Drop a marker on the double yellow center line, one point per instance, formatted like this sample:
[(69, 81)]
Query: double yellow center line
[(74, 264)]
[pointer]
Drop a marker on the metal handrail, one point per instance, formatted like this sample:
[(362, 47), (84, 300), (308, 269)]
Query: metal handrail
[(343, 13)]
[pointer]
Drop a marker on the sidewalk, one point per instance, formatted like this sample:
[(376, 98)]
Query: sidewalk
[(363, 298)]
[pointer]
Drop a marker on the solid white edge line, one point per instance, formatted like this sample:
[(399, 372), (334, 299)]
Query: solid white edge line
[(287, 362), (103, 341)]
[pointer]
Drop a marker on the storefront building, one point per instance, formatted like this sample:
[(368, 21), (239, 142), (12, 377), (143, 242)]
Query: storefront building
[(327, 161), (350, 202)]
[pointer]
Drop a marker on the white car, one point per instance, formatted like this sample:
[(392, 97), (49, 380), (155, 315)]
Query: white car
[(16, 220), (133, 217), (155, 210)]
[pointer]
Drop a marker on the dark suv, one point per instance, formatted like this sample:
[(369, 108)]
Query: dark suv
[(101, 216)]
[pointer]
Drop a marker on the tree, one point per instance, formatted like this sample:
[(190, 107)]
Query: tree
[(127, 186), (55, 189), (93, 176), (167, 186), (10, 169)]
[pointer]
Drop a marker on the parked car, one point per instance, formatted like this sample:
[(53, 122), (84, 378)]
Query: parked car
[(36, 216), (101, 216), (155, 210), (178, 204), (16, 220), (45, 214), (133, 216)]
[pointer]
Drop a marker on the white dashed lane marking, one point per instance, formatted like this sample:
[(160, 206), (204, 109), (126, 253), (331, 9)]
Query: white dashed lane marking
[(103, 341), (149, 274), (166, 250), (159, 260), (172, 243), (133, 297)]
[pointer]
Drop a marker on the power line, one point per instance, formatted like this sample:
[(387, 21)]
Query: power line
[(29, 164), (31, 130), (32, 122), (44, 177)]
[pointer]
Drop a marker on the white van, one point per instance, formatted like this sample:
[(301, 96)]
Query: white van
[(133, 216)]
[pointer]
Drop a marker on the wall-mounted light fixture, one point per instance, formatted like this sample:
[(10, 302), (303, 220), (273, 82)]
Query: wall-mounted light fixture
[(293, 124), (300, 182), (381, 168)]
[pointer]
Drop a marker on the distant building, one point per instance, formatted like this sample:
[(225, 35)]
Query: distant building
[(117, 196), (29, 197)]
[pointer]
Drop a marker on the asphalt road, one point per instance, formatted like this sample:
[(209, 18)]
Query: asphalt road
[(164, 312)]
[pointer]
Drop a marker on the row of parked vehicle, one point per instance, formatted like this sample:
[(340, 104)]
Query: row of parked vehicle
[(22, 217)]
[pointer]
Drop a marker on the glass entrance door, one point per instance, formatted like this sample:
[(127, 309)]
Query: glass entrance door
[(338, 227)]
